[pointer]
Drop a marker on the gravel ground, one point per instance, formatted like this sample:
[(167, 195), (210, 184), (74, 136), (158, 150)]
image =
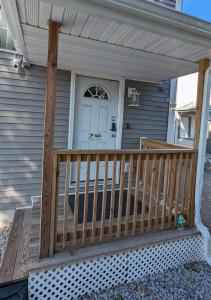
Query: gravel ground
[(4, 233), (189, 282)]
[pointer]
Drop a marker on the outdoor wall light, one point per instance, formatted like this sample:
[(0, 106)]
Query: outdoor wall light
[(133, 96)]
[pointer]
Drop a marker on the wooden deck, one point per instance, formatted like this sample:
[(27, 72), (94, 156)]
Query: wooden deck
[(14, 262), (21, 254)]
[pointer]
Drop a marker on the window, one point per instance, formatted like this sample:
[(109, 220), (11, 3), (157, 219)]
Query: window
[(6, 42), (186, 128), (96, 92)]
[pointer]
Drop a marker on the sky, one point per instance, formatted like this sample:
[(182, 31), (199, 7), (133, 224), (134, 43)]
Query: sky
[(198, 8)]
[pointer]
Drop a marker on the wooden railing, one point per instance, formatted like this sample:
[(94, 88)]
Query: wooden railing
[(106, 195), (153, 144)]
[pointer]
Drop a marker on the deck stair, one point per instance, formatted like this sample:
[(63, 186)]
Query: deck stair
[(14, 262)]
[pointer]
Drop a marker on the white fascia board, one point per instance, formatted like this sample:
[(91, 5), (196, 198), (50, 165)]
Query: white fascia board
[(146, 16), (11, 12)]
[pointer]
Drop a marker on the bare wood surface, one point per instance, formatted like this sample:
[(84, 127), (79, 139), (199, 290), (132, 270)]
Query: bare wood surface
[(138, 171), (178, 186), (153, 144), (95, 197), (121, 190), (47, 168), (145, 186), (165, 186), (76, 202), (104, 197), (203, 65), (112, 194), (66, 198), (86, 198), (130, 173), (151, 193), (172, 189), (160, 181), (14, 261)]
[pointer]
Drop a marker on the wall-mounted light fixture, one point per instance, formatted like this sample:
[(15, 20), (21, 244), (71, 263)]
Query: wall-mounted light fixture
[(133, 96)]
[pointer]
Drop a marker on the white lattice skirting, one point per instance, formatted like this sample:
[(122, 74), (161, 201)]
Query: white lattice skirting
[(72, 281)]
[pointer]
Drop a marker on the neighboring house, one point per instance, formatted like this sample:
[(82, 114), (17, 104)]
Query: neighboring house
[(186, 95)]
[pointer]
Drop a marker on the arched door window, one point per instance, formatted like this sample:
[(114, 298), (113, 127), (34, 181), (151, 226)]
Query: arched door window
[(96, 92)]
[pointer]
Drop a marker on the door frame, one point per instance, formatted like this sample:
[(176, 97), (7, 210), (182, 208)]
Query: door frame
[(120, 105)]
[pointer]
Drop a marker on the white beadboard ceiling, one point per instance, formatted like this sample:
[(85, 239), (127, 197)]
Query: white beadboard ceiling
[(102, 44)]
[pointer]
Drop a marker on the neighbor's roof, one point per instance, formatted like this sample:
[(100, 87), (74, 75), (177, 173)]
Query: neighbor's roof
[(134, 39), (190, 107)]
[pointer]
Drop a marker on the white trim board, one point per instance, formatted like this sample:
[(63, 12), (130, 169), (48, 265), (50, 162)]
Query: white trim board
[(120, 109)]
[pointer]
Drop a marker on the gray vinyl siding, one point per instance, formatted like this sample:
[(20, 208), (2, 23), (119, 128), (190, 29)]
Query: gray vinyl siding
[(167, 3), (150, 119), (21, 129)]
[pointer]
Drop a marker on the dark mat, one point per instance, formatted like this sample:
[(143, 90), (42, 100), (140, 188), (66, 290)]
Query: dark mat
[(14, 290), (99, 205)]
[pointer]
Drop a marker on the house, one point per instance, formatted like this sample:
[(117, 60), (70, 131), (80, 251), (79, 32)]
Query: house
[(89, 180), (186, 109)]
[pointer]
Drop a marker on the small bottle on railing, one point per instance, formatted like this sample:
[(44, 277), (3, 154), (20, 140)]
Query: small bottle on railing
[(180, 222)]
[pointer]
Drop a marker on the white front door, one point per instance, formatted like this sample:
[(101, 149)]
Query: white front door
[(95, 125)]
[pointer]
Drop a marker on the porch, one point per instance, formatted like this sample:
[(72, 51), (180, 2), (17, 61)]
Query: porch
[(128, 197)]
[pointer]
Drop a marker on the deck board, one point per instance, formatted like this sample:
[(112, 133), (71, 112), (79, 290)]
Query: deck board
[(14, 261)]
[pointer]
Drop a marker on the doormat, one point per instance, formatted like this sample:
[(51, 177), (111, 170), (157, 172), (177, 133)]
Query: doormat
[(14, 290), (99, 205)]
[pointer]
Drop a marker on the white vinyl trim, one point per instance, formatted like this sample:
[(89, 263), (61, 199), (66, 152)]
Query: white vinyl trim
[(172, 113), (120, 109), (200, 166), (11, 12), (179, 5)]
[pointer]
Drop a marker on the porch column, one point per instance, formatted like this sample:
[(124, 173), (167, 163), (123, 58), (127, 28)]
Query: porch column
[(203, 65), (48, 143)]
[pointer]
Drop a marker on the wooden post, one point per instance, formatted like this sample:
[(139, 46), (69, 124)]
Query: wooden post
[(203, 65), (47, 168)]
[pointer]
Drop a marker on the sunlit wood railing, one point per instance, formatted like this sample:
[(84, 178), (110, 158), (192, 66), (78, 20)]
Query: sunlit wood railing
[(153, 144), (102, 195)]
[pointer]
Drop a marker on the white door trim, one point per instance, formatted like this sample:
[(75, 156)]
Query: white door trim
[(120, 109)]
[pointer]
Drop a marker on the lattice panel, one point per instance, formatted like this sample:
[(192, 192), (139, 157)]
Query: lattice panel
[(72, 281)]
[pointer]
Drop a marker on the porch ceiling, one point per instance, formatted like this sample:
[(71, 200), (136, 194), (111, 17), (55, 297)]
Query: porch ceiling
[(132, 39)]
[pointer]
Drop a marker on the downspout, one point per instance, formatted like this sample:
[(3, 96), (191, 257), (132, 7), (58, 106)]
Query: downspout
[(200, 168)]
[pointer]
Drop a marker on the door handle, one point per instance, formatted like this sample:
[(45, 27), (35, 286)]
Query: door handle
[(95, 135)]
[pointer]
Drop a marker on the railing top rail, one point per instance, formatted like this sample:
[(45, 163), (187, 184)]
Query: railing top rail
[(161, 144), (121, 151)]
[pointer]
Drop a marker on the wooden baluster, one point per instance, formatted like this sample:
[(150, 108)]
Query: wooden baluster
[(95, 198), (160, 181), (103, 212), (121, 191), (112, 196), (172, 189), (130, 178), (184, 189), (145, 185), (151, 193), (137, 182), (86, 199), (54, 205), (178, 185), (76, 202), (165, 190), (191, 192), (66, 200)]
